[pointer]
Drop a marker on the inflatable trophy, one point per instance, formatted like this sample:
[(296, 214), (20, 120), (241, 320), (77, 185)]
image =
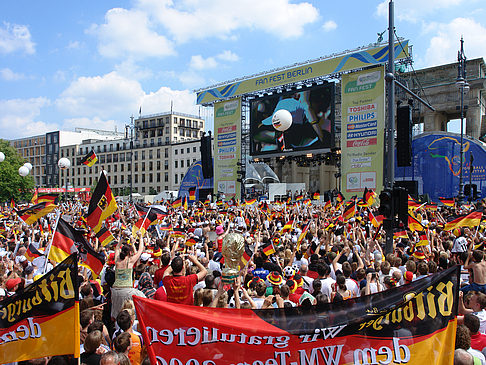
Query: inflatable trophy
[(232, 250)]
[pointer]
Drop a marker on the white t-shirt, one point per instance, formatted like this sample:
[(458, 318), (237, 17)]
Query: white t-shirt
[(326, 288)]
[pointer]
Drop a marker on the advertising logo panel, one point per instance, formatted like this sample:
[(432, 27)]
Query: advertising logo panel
[(363, 126), (227, 139)]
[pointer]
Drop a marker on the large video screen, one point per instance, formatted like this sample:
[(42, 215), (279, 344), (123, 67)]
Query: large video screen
[(298, 120)]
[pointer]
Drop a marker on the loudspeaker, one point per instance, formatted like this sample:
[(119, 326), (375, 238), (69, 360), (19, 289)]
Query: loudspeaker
[(404, 136), (410, 185), (207, 157), (467, 190), (400, 204)]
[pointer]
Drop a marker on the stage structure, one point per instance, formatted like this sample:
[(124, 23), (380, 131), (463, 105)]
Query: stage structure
[(291, 112)]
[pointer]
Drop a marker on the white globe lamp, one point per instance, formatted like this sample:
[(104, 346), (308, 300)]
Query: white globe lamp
[(28, 165), (282, 120), (23, 171), (2, 157), (63, 163)]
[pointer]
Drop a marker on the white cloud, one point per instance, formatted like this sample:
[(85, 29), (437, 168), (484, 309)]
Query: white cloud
[(129, 33), (100, 96), (413, 10), (130, 70), (197, 19), (182, 101), (9, 75), (74, 45), (22, 113), (329, 25), (200, 63), (14, 37), (95, 123), (445, 43), (228, 56)]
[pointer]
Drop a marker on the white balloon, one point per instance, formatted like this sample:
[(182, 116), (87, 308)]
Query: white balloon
[(63, 163), (28, 165), (282, 120), (23, 171), (2, 157)]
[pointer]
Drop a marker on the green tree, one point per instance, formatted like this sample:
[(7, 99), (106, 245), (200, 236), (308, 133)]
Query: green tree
[(12, 185)]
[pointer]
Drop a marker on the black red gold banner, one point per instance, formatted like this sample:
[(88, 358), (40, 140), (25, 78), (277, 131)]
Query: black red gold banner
[(42, 320), (412, 324)]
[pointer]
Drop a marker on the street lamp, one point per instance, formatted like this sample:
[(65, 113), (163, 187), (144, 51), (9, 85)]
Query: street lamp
[(463, 86), (131, 133), (63, 164)]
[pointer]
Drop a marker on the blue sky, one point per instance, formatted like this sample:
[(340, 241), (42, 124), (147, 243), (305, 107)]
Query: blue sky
[(92, 64)]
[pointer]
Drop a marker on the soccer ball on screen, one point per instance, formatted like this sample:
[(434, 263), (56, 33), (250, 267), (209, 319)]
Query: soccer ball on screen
[(282, 120)]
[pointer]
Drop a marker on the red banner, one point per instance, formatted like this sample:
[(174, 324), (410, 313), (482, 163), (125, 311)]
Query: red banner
[(413, 324)]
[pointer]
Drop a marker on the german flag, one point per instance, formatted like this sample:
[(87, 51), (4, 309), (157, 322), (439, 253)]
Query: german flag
[(470, 220), (101, 205), (104, 236), (250, 201), (302, 235), (64, 241), (32, 253), (48, 198), (185, 203), (190, 242), (423, 240), (206, 202), (414, 224), (431, 207), (177, 203), (141, 209), (91, 259), (449, 202), (34, 198), (299, 198), (247, 255), (268, 248), (166, 227), (32, 214), (177, 232), (375, 221), (361, 203), (90, 159), (289, 200), (400, 233), (316, 196), (307, 202), (12, 203), (327, 204), (413, 204), (340, 197), (144, 221), (288, 226), (350, 211), (192, 194)]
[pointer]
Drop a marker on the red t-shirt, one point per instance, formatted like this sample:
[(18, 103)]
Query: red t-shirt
[(180, 288), (160, 294), (159, 274), (478, 341)]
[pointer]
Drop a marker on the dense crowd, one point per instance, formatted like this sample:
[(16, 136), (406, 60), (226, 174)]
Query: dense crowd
[(302, 253)]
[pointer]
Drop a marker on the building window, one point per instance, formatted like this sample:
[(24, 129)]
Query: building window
[(136, 167), (166, 165), (176, 151), (158, 165), (143, 155), (166, 153), (151, 154), (108, 158), (188, 163), (182, 163), (188, 150), (194, 149), (151, 178), (143, 178), (158, 152), (166, 176), (176, 180), (176, 164), (136, 178), (158, 176)]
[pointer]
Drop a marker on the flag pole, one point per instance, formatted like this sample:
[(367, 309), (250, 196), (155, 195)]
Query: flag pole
[(48, 249)]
